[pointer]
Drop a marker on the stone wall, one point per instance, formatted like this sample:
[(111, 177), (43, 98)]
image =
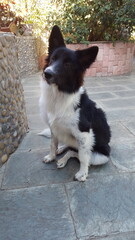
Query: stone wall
[(27, 55), (42, 51), (13, 121)]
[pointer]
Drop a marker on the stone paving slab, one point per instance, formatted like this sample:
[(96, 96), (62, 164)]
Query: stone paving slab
[(30, 101), (103, 206), (119, 130), (32, 93), (33, 141), (118, 103), (32, 109), (123, 154), (123, 147), (106, 88), (130, 125), (35, 213), (26, 169), (103, 95), (92, 83), (122, 94), (31, 86), (35, 122), (120, 114), (131, 86), (120, 82)]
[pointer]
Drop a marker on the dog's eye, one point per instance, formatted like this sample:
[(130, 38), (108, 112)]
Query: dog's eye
[(53, 59)]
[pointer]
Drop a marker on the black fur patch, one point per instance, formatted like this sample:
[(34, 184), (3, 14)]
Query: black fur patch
[(94, 118)]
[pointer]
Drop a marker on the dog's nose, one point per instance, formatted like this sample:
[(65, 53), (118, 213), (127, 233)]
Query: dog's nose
[(48, 74)]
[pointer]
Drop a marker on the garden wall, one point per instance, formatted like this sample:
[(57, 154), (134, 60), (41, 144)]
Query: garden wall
[(111, 59), (13, 121), (27, 55)]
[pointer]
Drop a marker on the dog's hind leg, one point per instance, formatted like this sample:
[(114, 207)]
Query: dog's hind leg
[(63, 161)]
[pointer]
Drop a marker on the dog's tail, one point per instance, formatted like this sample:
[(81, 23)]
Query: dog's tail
[(46, 133), (98, 159)]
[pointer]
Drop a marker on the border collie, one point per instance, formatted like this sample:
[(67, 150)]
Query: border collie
[(65, 106)]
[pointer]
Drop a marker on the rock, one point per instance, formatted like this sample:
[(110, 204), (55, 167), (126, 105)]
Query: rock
[(1, 55), (15, 134), (16, 144), (5, 127), (1, 46), (2, 145), (3, 41), (4, 113), (10, 149), (4, 52), (4, 158)]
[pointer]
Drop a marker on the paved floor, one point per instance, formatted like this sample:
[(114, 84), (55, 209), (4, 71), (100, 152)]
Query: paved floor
[(39, 201)]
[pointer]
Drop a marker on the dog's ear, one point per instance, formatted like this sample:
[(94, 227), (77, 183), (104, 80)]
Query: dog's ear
[(56, 39), (87, 56)]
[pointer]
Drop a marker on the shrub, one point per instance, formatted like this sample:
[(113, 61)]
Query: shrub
[(6, 15), (98, 20)]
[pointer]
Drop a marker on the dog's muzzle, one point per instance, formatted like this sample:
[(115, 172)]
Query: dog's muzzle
[(49, 75)]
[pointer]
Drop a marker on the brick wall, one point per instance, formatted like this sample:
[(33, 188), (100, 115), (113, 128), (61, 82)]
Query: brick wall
[(111, 60)]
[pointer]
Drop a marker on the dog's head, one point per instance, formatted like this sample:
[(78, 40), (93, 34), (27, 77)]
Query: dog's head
[(65, 68)]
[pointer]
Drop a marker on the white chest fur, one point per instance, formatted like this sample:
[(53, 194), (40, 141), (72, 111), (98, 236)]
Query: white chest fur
[(57, 109)]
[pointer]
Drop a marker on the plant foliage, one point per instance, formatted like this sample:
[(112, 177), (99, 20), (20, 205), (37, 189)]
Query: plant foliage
[(81, 20), (98, 20)]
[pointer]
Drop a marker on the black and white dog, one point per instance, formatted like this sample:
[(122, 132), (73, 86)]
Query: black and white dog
[(65, 106)]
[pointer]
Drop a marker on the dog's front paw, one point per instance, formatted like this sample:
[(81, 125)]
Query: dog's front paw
[(81, 176), (48, 158)]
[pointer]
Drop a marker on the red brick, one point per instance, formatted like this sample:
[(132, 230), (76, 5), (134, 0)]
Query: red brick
[(99, 66), (111, 55), (105, 61), (106, 50), (93, 71), (99, 74), (115, 70), (100, 55)]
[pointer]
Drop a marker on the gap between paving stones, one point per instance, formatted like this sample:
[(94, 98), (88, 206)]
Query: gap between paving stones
[(117, 236)]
